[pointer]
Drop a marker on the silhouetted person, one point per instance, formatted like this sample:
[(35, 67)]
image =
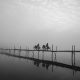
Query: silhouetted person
[(37, 47), (44, 47), (47, 46)]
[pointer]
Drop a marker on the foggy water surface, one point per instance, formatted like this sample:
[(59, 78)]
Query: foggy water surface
[(12, 68)]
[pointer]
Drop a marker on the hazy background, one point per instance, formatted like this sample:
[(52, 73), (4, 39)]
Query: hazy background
[(27, 22)]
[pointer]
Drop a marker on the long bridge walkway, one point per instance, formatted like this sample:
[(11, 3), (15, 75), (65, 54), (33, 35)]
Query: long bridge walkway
[(46, 63)]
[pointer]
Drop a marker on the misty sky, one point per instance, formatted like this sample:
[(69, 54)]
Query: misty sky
[(27, 22)]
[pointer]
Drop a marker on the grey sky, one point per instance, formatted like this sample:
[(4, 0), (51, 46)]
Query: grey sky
[(31, 21)]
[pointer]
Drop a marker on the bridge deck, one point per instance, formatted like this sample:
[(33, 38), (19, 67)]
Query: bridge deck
[(43, 50)]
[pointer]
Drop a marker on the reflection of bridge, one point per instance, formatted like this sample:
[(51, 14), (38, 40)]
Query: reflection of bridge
[(50, 50), (46, 63)]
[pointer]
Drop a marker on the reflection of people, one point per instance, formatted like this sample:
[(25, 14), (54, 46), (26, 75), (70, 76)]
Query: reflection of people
[(47, 66), (36, 63), (43, 64)]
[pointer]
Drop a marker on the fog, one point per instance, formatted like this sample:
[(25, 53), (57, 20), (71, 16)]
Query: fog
[(28, 22)]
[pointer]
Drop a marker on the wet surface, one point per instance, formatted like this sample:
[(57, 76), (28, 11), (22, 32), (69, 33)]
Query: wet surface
[(15, 68)]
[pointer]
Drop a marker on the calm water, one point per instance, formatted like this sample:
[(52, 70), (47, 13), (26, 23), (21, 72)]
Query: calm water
[(12, 68)]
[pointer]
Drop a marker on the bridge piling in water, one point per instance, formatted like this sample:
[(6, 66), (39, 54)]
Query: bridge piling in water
[(14, 49), (20, 51), (52, 52), (52, 55), (52, 60), (73, 55), (9, 50)]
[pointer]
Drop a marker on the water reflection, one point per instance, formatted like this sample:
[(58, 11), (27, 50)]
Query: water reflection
[(40, 61)]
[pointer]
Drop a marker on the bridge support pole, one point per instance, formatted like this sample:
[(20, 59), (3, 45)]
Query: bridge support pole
[(20, 51), (28, 52), (73, 55), (14, 49), (9, 50), (56, 48), (52, 52)]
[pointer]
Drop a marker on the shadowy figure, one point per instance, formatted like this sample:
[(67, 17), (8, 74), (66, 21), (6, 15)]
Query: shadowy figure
[(37, 47), (46, 47)]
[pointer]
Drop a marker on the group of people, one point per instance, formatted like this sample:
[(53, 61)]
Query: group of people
[(44, 47)]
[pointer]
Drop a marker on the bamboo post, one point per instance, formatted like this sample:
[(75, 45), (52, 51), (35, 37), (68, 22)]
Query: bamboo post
[(28, 52), (14, 49), (26, 48), (74, 54), (52, 47), (72, 48), (9, 50), (56, 48), (19, 50), (52, 52)]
